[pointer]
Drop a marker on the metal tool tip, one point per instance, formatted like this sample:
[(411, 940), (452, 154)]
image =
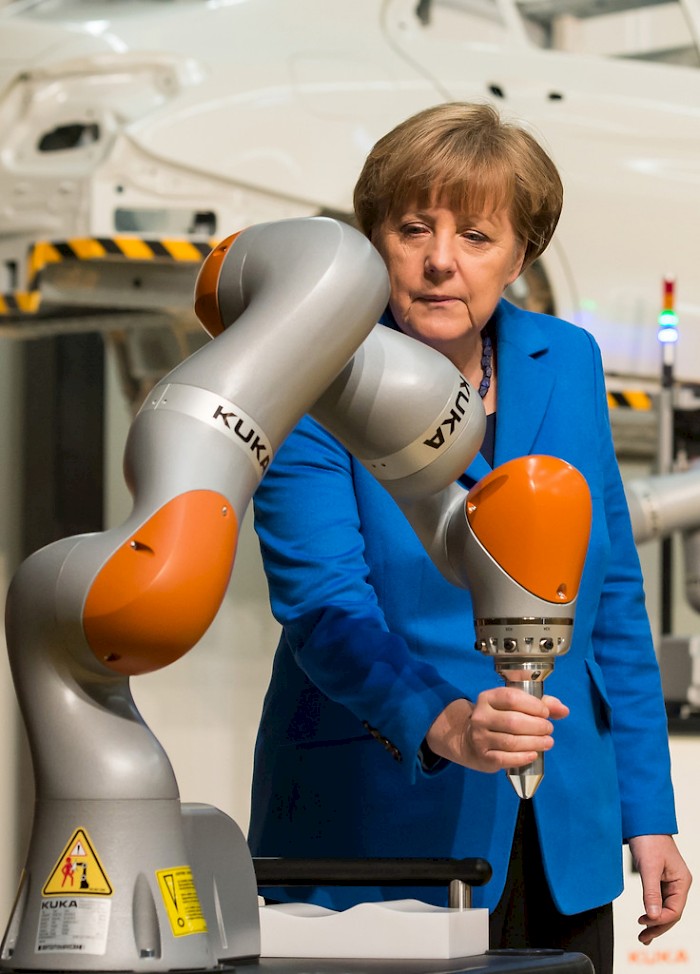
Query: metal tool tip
[(525, 783)]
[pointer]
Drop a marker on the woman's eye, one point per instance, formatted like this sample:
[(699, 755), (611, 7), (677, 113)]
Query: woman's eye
[(413, 229), (474, 236)]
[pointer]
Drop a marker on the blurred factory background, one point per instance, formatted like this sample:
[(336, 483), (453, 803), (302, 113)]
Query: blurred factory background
[(136, 133)]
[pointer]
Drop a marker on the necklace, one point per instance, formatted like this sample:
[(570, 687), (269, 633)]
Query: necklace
[(486, 363)]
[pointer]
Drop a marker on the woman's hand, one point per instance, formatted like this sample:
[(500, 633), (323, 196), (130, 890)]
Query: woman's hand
[(665, 883), (505, 728)]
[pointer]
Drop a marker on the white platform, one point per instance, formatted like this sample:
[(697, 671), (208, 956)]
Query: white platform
[(396, 929)]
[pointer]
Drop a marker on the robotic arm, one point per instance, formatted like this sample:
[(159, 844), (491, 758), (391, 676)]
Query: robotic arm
[(87, 613)]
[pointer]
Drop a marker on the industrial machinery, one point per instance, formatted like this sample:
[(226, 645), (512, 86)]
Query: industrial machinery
[(118, 875), (661, 506), (663, 503)]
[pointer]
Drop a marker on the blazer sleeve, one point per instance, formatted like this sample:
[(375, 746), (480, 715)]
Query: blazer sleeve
[(308, 525), (624, 650)]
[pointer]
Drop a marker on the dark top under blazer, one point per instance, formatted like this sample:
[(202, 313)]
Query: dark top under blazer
[(375, 643)]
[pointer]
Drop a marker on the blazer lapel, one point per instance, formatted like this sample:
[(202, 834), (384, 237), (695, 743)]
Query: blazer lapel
[(525, 381)]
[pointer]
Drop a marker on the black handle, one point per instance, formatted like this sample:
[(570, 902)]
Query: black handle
[(370, 872)]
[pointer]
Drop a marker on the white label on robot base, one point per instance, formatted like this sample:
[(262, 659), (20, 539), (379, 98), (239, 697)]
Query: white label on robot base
[(73, 925), (78, 870)]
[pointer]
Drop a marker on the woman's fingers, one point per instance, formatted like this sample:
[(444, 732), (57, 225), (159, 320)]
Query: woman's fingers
[(505, 728)]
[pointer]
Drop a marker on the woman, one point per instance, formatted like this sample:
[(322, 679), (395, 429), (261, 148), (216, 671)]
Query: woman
[(377, 646)]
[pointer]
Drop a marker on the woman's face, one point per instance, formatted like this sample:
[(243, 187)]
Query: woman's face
[(447, 272)]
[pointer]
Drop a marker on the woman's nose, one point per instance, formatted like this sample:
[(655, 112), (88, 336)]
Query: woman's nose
[(440, 256)]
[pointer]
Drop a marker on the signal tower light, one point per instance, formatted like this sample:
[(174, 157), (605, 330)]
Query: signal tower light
[(668, 337), (668, 319)]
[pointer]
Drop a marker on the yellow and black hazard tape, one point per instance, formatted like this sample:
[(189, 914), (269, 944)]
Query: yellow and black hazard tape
[(45, 252), (634, 399), (19, 303)]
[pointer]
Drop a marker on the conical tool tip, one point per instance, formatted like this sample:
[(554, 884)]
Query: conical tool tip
[(525, 783)]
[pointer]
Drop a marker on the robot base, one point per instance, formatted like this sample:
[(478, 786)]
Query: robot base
[(180, 893)]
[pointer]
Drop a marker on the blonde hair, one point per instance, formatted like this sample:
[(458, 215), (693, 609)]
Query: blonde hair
[(466, 157)]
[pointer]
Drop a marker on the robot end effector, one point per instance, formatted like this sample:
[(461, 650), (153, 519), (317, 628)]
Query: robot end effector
[(521, 547)]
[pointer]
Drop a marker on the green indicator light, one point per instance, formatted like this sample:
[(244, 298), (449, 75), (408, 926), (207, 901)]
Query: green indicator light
[(668, 319)]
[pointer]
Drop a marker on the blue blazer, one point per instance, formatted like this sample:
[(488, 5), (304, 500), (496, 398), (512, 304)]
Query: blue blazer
[(375, 643)]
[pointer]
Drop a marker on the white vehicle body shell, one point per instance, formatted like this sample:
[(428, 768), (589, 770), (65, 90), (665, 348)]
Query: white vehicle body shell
[(192, 119)]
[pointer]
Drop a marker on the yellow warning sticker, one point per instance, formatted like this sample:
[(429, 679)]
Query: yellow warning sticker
[(181, 901), (78, 870)]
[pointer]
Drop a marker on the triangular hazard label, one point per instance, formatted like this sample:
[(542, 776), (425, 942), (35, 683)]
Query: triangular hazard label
[(78, 870), (181, 901)]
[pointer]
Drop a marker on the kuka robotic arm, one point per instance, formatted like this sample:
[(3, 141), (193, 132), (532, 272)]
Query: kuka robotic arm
[(290, 303), (303, 295)]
